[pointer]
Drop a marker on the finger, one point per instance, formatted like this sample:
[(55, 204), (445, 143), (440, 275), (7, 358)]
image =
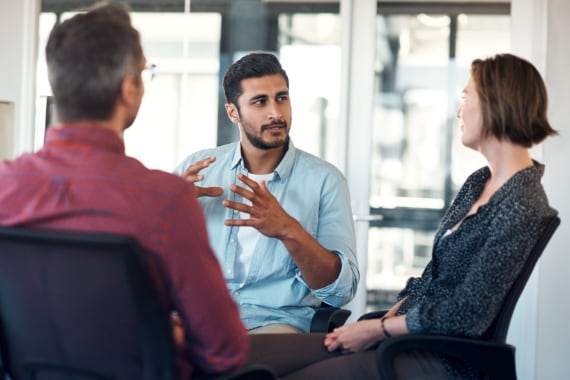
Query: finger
[(209, 191), (205, 162), (193, 177), (178, 334), (333, 346), (247, 194), (248, 181), (241, 223), (328, 341), (257, 188), (198, 165), (263, 186), (236, 206)]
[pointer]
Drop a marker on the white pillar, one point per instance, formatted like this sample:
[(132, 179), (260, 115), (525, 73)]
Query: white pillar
[(540, 328), (553, 332), (359, 18), (18, 49)]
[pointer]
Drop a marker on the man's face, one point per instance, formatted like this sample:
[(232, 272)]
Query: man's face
[(264, 114)]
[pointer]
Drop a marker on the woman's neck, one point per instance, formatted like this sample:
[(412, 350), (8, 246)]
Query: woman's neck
[(505, 159)]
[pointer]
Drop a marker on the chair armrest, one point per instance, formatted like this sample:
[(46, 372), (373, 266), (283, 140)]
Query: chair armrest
[(373, 315), (327, 318), (497, 360)]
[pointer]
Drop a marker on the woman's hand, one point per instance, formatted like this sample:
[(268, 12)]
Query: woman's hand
[(364, 334), (355, 337)]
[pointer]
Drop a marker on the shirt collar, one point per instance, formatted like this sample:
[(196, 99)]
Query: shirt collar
[(283, 170), (84, 134)]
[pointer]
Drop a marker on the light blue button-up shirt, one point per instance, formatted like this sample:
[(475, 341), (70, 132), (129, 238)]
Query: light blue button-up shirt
[(312, 191)]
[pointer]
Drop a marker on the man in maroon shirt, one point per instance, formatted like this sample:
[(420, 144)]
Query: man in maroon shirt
[(81, 180)]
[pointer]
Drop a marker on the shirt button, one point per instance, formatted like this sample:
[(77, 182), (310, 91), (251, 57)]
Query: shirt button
[(229, 271), (232, 241), (237, 293)]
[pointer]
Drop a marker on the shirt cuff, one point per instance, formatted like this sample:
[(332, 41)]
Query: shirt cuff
[(338, 292)]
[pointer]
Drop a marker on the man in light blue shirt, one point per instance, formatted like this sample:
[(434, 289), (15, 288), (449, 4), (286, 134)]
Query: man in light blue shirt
[(283, 229)]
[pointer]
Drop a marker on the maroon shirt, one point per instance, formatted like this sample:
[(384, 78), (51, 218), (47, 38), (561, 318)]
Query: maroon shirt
[(81, 180)]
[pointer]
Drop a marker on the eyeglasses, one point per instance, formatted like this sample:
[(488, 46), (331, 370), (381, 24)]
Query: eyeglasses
[(147, 74)]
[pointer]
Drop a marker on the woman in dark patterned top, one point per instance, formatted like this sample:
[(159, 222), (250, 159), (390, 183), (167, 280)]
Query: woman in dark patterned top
[(480, 247)]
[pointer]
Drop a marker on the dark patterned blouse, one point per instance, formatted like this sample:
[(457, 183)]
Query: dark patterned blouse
[(462, 288)]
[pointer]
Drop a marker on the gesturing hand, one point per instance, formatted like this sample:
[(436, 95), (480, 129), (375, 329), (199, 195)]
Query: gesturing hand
[(192, 175), (265, 212)]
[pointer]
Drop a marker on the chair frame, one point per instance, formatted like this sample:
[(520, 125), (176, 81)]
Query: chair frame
[(327, 318)]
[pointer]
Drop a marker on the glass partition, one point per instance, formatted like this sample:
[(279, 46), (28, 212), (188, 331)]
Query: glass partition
[(183, 107), (418, 161), (178, 114)]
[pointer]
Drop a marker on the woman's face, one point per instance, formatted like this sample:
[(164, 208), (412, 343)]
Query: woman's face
[(470, 117)]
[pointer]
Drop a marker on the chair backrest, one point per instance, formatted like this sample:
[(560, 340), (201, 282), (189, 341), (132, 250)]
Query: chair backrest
[(499, 328), (80, 306)]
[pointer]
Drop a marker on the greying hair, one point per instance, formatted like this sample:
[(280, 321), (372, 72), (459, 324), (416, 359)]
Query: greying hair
[(87, 57)]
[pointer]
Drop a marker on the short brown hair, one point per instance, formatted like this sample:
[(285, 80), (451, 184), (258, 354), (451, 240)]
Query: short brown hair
[(252, 65), (513, 99)]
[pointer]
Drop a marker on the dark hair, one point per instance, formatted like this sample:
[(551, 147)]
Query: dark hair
[(253, 65), (87, 57), (513, 99)]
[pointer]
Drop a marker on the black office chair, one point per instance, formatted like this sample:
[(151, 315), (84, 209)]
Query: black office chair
[(489, 354), (83, 307), (327, 318)]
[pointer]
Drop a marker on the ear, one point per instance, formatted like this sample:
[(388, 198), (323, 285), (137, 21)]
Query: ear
[(232, 112), (130, 90)]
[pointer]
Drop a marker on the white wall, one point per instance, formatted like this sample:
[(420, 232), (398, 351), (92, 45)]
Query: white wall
[(553, 332), (539, 329), (18, 52), (6, 128)]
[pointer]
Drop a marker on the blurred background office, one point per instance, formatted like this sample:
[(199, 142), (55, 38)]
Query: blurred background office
[(375, 87)]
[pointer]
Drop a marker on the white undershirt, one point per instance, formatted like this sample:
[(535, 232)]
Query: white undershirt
[(247, 236)]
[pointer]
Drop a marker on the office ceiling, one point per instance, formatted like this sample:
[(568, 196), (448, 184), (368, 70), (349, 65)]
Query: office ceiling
[(216, 5), (66, 5)]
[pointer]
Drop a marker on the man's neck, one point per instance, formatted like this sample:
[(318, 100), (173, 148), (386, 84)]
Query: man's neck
[(103, 124), (262, 161)]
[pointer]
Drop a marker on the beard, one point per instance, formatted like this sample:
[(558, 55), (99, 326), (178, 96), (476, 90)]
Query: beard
[(258, 141)]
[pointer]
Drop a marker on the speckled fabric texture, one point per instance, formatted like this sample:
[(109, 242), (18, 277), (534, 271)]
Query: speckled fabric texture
[(462, 288)]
